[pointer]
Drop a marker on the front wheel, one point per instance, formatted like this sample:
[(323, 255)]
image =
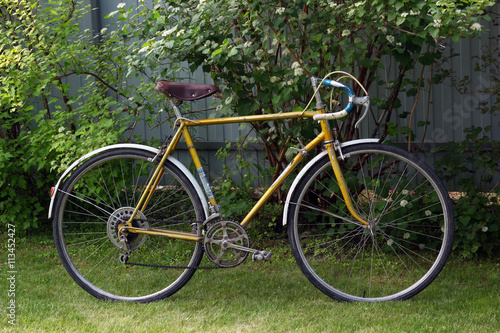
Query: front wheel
[(99, 196), (411, 225)]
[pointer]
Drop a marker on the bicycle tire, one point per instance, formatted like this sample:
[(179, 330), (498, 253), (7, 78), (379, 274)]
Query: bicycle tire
[(412, 217), (102, 192)]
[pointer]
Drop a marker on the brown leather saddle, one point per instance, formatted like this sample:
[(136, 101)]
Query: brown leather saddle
[(186, 91)]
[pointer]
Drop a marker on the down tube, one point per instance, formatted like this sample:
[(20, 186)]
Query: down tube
[(277, 183)]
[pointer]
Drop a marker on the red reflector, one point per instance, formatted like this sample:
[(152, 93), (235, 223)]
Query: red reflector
[(52, 191)]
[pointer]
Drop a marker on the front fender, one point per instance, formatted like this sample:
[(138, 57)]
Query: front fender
[(309, 165), (175, 161)]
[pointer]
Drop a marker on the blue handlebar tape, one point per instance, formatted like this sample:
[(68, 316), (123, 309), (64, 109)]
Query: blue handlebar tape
[(347, 90)]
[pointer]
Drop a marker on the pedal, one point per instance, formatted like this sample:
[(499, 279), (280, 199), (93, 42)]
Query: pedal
[(262, 255)]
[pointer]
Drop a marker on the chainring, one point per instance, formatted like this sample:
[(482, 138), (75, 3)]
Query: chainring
[(220, 233)]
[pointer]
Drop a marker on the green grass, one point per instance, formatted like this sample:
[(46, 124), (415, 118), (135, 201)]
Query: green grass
[(254, 297)]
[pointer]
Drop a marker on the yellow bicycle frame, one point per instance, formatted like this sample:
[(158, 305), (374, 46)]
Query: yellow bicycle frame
[(324, 136)]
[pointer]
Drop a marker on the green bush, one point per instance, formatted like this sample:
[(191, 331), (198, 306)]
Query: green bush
[(261, 53), (45, 121), (473, 164)]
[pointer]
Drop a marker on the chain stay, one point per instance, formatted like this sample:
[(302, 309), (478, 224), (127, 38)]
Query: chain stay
[(167, 222)]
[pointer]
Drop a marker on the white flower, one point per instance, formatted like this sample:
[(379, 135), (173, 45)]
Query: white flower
[(414, 13), (295, 65), (121, 5), (476, 27), (280, 10), (180, 32), (289, 82), (219, 107), (274, 79), (383, 29), (61, 129), (405, 192), (442, 229), (428, 213), (390, 38), (390, 242), (103, 31), (437, 23), (484, 229), (333, 4), (330, 31), (404, 14), (247, 44), (229, 100), (403, 203), (357, 4), (406, 235), (298, 71), (346, 33)]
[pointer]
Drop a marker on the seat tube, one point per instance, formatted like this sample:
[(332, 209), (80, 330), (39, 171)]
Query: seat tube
[(199, 167)]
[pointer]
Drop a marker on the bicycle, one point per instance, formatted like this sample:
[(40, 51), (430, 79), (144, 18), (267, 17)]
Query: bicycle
[(366, 221)]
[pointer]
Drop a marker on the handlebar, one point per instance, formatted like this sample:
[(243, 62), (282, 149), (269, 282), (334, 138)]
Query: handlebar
[(353, 100)]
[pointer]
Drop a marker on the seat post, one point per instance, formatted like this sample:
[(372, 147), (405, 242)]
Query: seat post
[(174, 102)]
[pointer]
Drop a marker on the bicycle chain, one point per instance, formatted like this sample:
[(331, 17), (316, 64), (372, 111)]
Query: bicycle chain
[(173, 267)]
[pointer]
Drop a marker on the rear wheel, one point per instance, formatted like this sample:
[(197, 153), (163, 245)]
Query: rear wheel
[(411, 231), (99, 196)]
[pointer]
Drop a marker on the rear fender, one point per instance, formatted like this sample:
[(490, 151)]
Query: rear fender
[(175, 161)]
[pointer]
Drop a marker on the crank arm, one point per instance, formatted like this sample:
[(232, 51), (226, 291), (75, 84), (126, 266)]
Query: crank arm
[(257, 255)]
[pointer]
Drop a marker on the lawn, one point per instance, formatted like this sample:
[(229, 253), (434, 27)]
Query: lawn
[(253, 297)]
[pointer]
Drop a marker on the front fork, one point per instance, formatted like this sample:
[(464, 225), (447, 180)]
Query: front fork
[(330, 148)]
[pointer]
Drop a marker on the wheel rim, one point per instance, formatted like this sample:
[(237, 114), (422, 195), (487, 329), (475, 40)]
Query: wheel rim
[(405, 246), (92, 206)]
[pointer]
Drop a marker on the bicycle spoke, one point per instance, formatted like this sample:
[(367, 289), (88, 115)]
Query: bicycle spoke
[(100, 196), (391, 257)]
